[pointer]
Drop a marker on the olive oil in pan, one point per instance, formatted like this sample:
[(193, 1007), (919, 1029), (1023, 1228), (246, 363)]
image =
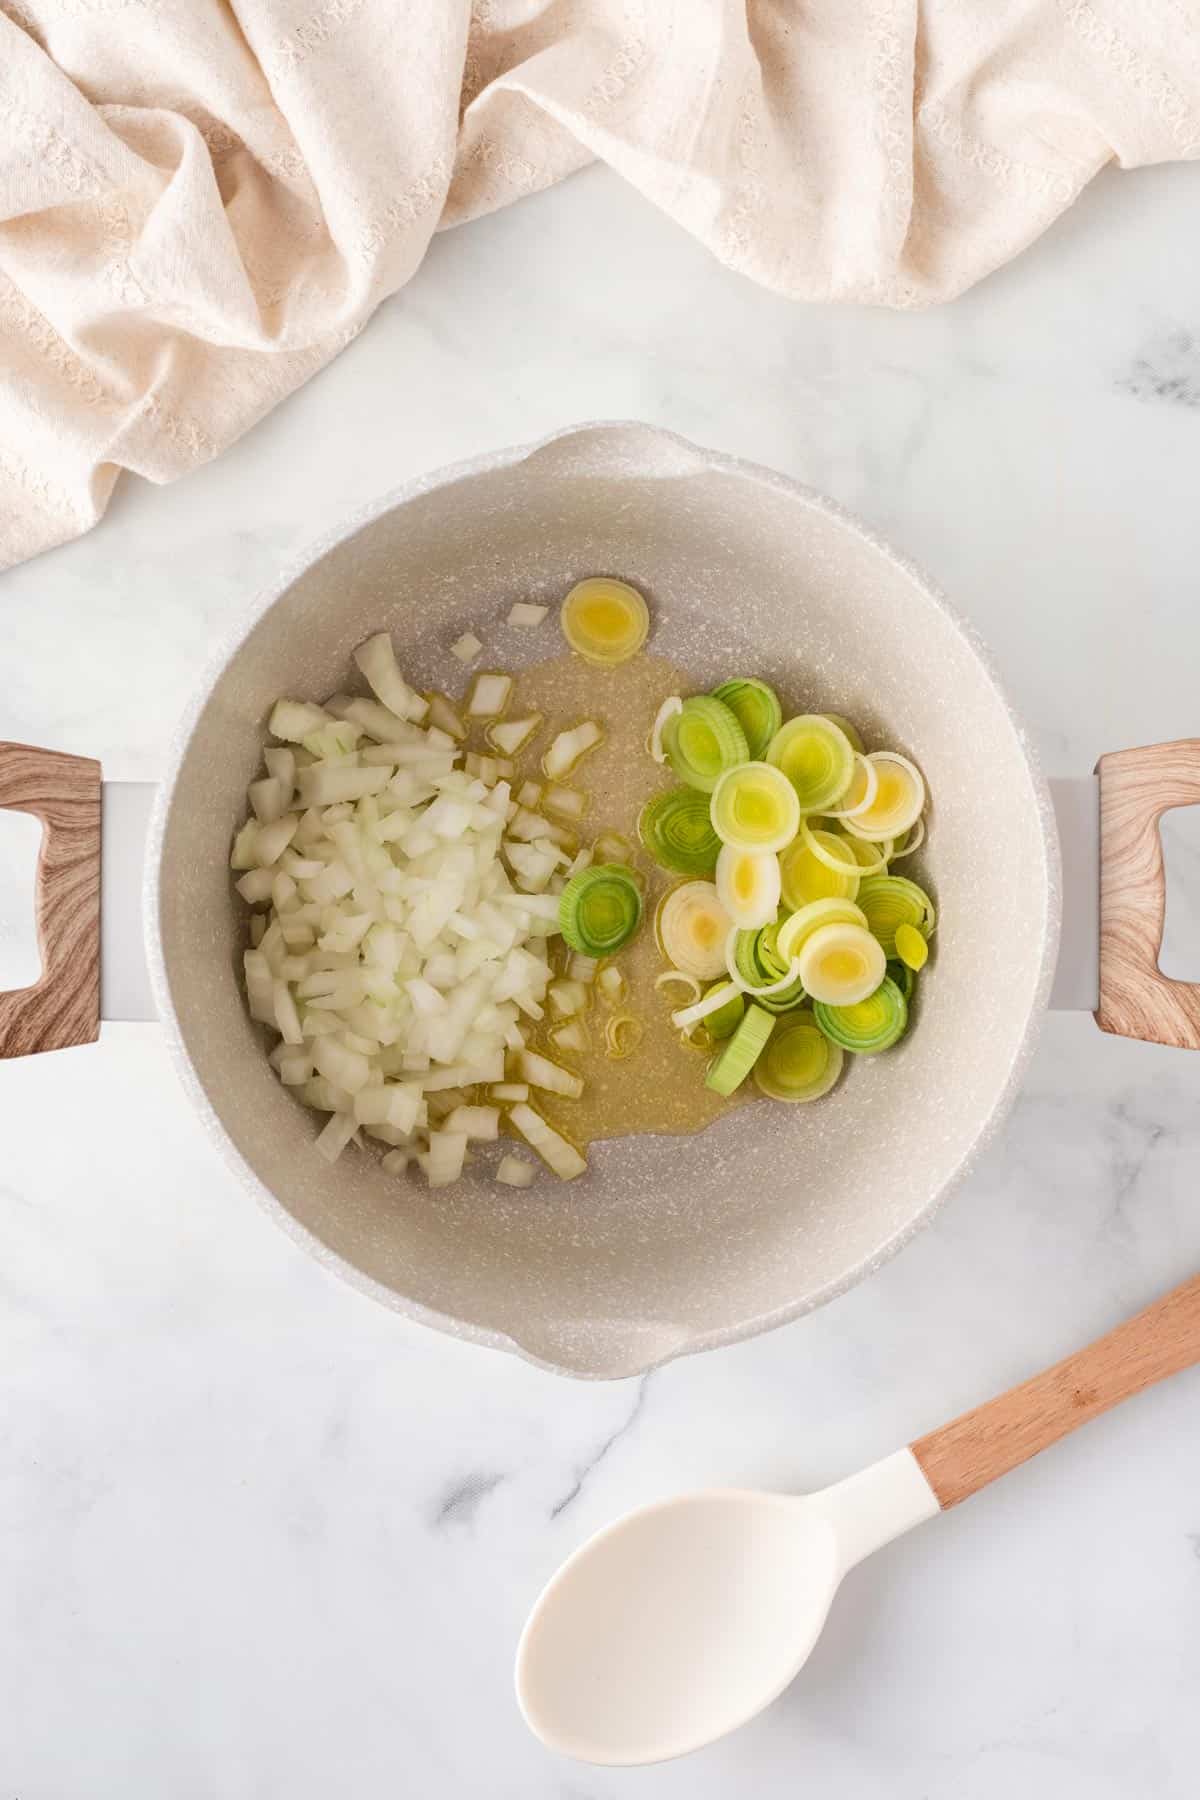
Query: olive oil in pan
[(659, 1087)]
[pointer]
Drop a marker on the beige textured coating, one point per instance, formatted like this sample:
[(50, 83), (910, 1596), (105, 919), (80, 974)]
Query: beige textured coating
[(664, 1246)]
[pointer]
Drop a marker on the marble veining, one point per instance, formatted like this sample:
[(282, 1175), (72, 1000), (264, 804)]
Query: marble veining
[(259, 1536)]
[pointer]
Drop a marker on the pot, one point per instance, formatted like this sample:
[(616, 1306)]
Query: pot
[(667, 1246)]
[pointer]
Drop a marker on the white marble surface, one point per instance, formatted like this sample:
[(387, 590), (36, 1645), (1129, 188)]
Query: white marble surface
[(259, 1537)]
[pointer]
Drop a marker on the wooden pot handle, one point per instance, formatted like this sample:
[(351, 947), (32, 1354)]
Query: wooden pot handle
[(63, 1005), (973, 1450), (1136, 999)]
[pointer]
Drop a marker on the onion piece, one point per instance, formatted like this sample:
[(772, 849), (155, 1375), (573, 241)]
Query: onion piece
[(611, 847), (377, 661), (572, 1037), (443, 1161), (553, 1148), (467, 647), (526, 613), (514, 1171), (474, 1122), (567, 802), (569, 746), (294, 719), (489, 696), (510, 736), (443, 717), (540, 1072), (338, 1131)]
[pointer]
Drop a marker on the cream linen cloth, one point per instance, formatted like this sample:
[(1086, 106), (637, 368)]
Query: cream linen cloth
[(202, 202)]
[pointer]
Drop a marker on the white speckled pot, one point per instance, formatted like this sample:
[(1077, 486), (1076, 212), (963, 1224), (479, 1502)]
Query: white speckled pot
[(667, 1245)]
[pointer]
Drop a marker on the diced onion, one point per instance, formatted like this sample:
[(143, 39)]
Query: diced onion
[(569, 746), (525, 613), (550, 1145), (540, 1072), (514, 1171), (377, 661), (489, 697), (510, 736), (467, 647)]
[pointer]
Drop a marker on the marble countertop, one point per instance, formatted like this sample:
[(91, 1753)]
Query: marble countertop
[(259, 1537)]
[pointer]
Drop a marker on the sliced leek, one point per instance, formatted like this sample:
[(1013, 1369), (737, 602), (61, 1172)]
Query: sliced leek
[(806, 877), (756, 969), (891, 900), (844, 855), (817, 757), (726, 1018), (899, 799), (801, 924), (741, 1052), (860, 795), (670, 707), (841, 964), (600, 909), (868, 1026), (799, 1063), (910, 842), (692, 929), (851, 730), (756, 708), (677, 978), (622, 1035), (748, 886), (678, 832), (755, 807), (605, 621), (702, 740), (903, 977), (911, 947)]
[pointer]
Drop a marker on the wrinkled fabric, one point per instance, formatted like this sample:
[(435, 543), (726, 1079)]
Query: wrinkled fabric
[(202, 202)]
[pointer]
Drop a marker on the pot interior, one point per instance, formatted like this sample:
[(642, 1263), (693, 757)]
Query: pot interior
[(667, 1243)]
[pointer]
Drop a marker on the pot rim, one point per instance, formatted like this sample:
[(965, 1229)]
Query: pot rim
[(691, 457)]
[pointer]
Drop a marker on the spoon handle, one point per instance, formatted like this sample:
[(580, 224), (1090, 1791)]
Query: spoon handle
[(972, 1450)]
